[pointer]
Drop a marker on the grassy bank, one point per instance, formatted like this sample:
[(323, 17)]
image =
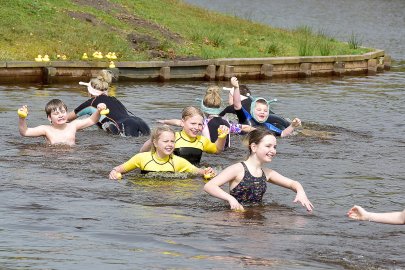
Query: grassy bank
[(149, 30)]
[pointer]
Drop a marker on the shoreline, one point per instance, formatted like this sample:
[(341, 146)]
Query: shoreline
[(206, 70)]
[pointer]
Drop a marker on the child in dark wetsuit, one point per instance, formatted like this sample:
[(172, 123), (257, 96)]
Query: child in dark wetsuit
[(119, 121), (256, 113), (247, 180)]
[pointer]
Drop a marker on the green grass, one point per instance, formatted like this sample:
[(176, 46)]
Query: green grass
[(32, 27), (354, 42)]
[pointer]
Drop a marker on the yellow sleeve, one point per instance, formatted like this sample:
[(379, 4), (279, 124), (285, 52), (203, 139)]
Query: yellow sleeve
[(133, 163), (183, 165), (208, 146)]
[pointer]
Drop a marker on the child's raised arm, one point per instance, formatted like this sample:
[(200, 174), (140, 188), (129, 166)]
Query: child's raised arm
[(23, 128), (223, 132), (237, 103), (288, 130), (92, 120)]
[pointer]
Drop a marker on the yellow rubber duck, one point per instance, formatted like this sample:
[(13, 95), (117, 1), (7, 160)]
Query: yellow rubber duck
[(85, 57), (45, 58), (112, 65), (38, 58), (222, 134), (105, 112), (23, 112), (98, 55), (113, 56), (63, 57), (208, 176), (108, 55)]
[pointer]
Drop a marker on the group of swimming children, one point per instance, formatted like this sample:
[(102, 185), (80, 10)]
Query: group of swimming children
[(203, 129)]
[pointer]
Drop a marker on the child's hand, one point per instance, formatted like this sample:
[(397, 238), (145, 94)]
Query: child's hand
[(296, 123), (102, 108), (235, 205), (23, 111), (114, 175), (357, 213), (223, 131), (234, 82), (209, 173), (302, 198)]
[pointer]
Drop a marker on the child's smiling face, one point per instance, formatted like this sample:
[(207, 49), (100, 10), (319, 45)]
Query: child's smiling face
[(261, 111), (164, 144), (193, 125)]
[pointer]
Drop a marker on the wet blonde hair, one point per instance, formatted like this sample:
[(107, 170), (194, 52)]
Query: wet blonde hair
[(191, 111), (54, 105), (156, 132), (102, 81), (212, 98)]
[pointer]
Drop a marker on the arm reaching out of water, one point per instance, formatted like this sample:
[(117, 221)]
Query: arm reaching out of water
[(359, 213), (171, 122), (147, 146), (23, 127), (92, 120), (237, 102), (280, 180), (223, 131), (289, 130)]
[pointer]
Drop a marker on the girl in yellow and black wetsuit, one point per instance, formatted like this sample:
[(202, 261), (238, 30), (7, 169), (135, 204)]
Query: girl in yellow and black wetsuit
[(189, 143), (160, 158)]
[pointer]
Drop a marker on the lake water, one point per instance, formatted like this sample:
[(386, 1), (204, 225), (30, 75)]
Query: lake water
[(59, 210)]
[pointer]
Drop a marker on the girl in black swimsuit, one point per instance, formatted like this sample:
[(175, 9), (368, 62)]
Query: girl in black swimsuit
[(247, 180)]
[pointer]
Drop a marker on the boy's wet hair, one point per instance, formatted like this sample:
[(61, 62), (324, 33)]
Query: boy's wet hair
[(54, 105), (191, 111), (244, 90), (156, 134)]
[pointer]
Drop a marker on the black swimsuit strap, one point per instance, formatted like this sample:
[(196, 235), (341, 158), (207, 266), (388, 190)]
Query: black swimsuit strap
[(247, 171)]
